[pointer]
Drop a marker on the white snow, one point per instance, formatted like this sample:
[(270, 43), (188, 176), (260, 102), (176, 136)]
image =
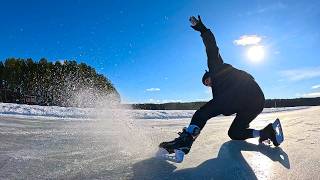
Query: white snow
[(56, 112), (47, 111), (39, 142)]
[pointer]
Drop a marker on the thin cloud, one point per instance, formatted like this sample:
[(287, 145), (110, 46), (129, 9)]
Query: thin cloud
[(272, 7), (153, 89), (311, 95), (301, 74), (247, 40), (171, 100), (315, 86), (164, 101), (201, 100), (154, 101)]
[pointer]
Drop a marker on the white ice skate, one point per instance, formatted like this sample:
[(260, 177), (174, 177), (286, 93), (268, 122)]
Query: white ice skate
[(278, 131), (176, 157)]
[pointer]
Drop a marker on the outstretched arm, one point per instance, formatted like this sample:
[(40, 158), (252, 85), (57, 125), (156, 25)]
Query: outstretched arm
[(214, 58)]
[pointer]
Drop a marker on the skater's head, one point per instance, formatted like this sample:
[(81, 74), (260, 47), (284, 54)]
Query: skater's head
[(206, 79)]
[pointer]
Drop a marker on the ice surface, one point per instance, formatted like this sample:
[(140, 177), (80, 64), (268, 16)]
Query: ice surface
[(120, 144)]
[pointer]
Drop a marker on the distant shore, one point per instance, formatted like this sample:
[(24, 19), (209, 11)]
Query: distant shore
[(270, 103)]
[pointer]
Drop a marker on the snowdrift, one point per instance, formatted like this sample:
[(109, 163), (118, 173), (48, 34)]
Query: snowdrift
[(54, 112)]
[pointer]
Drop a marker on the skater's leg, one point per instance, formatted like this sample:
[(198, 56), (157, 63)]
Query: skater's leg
[(207, 111), (239, 129), (188, 135), (255, 133), (250, 106)]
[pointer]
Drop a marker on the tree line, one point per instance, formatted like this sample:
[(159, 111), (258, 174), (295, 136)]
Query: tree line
[(64, 83), (269, 103)]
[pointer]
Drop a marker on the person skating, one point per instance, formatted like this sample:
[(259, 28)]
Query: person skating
[(234, 92)]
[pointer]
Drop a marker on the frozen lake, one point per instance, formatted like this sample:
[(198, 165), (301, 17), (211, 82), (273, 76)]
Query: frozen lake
[(116, 147)]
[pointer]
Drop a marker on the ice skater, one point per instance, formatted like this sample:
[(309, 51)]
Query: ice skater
[(234, 92)]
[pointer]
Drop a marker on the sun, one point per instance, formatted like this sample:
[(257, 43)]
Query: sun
[(255, 54)]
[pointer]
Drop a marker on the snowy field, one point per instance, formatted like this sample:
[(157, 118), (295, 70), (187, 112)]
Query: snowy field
[(39, 142)]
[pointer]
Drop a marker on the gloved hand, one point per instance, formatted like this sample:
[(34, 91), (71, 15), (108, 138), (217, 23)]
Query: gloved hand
[(197, 24)]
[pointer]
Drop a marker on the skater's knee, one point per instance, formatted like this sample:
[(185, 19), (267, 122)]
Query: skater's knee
[(234, 134), (231, 135)]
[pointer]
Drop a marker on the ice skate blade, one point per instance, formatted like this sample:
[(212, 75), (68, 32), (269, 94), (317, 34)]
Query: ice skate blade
[(176, 157), (278, 129)]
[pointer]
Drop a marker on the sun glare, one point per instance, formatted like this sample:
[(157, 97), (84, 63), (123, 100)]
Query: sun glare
[(255, 54)]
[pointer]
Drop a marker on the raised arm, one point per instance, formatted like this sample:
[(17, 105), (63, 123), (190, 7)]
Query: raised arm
[(214, 58)]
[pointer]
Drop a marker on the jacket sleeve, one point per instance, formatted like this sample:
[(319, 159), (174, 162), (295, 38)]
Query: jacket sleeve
[(214, 58)]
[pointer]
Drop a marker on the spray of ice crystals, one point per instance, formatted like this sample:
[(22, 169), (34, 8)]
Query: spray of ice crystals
[(115, 121)]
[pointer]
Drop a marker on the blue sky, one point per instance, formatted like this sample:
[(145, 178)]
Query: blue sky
[(150, 53)]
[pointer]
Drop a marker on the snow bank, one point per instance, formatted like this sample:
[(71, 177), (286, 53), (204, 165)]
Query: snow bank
[(46, 111), (10, 109)]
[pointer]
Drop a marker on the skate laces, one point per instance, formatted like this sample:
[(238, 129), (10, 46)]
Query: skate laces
[(183, 130), (182, 134)]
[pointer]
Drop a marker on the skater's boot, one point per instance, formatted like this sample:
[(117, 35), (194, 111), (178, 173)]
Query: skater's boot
[(268, 133), (183, 142)]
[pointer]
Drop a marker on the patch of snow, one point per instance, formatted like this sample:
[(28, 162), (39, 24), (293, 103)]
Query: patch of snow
[(69, 113)]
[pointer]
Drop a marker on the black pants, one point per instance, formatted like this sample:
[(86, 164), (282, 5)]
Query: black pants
[(246, 110)]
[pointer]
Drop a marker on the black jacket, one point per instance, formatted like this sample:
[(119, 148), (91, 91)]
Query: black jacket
[(229, 85)]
